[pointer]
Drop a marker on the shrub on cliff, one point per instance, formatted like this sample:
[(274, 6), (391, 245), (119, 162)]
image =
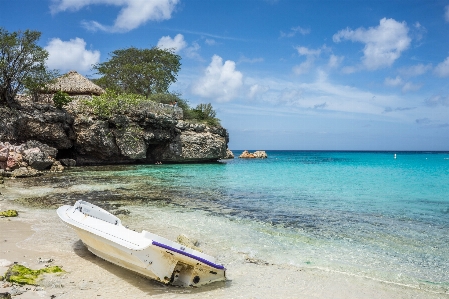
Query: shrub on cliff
[(22, 65), (204, 113), (61, 98), (112, 102)]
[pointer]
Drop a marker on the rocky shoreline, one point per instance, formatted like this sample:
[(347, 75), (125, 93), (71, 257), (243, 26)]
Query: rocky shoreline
[(38, 136), (29, 160)]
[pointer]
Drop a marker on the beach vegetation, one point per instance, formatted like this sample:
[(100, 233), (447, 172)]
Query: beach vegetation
[(61, 99), (22, 65), (22, 275), (139, 71), (9, 213)]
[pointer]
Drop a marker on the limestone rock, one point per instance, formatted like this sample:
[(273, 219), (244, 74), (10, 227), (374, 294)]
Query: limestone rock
[(260, 154), (256, 154), (4, 153), (25, 172), (57, 167), (149, 133), (14, 160), (68, 162), (229, 154)]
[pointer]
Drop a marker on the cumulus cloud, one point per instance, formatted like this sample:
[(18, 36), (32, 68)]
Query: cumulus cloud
[(405, 86), (415, 70), (383, 44), (306, 66), (192, 51), (409, 86), (221, 81), (70, 55), (446, 13), (442, 69), (257, 89), (335, 61), (393, 81), (210, 42), (133, 14), (177, 43), (293, 31)]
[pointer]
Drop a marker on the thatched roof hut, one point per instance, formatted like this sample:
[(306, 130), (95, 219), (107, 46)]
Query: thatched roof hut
[(73, 83)]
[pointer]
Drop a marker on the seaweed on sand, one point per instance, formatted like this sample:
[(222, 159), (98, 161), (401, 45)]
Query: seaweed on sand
[(22, 275)]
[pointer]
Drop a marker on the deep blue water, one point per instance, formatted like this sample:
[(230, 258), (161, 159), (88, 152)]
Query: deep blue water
[(358, 212)]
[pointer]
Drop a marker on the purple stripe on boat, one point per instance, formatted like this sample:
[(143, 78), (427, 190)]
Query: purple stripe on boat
[(189, 255)]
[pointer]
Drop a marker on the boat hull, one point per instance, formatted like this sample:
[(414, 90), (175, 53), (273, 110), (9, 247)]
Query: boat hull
[(145, 253)]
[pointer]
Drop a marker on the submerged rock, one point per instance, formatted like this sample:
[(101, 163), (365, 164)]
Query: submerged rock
[(25, 172), (5, 295)]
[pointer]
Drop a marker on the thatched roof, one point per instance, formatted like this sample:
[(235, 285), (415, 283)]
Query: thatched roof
[(75, 84)]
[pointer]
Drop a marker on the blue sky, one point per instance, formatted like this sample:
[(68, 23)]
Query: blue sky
[(297, 75)]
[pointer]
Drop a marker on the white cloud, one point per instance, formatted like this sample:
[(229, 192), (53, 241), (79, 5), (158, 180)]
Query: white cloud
[(244, 59), (177, 43), (304, 67), (410, 87), (70, 55), (210, 42), (393, 81), (221, 81), (307, 65), (415, 70), (335, 61), (383, 44), (405, 86), (308, 52), (192, 51), (442, 69), (446, 13), (133, 14), (257, 89), (294, 30)]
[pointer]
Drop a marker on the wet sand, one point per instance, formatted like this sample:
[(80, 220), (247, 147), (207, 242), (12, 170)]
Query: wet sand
[(38, 233)]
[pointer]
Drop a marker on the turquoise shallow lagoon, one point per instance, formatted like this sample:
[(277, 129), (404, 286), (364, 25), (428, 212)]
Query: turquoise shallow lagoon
[(358, 214), (363, 213)]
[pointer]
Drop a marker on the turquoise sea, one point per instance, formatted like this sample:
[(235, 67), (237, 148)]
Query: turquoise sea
[(361, 213)]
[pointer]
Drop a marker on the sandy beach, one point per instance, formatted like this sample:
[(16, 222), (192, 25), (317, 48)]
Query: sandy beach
[(39, 234)]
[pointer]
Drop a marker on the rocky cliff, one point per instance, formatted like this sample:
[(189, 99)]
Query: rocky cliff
[(147, 134)]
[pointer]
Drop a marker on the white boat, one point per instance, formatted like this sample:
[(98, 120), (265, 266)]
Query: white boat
[(145, 253)]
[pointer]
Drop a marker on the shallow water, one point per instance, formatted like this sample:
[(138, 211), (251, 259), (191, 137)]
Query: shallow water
[(364, 214)]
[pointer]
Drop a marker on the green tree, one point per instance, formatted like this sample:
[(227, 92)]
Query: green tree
[(139, 71), (22, 65)]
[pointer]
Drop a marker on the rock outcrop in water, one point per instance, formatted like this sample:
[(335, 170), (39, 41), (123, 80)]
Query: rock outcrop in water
[(150, 134), (256, 154)]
